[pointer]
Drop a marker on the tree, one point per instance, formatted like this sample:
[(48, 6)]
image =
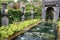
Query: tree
[(24, 0), (0, 2), (37, 0)]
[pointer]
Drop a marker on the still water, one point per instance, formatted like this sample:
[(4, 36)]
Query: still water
[(42, 31)]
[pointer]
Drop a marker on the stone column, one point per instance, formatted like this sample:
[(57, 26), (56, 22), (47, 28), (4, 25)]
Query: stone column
[(23, 14), (56, 13), (32, 14), (4, 19), (44, 12)]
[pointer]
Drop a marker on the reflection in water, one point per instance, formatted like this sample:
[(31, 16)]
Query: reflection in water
[(42, 31), (28, 36)]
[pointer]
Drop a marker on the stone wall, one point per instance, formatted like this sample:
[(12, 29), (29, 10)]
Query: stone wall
[(55, 4), (56, 13)]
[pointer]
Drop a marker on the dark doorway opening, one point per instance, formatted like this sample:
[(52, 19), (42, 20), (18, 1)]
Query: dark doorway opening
[(49, 13), (59, 15)]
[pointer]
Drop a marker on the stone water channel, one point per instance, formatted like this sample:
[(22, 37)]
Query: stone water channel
[(42, 31)]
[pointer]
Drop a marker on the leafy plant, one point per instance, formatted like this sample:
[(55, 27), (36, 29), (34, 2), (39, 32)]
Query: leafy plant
[(59, 25), (6, 31)]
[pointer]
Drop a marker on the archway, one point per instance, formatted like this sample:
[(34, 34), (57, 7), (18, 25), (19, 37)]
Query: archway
[(49, 13), (59, 15)]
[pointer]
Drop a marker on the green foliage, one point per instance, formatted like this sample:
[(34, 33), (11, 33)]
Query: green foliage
[(37, 0), (37, 12), (0, 2), (59, 25), (28, 11), (24, 0), (6, 31), (14, 15), (28, 15), (0, 17)]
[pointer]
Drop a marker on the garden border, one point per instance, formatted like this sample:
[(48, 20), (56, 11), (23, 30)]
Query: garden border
[(23, 31)]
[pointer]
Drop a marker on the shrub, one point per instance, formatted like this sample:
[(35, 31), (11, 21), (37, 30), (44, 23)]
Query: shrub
[(0, 16), (6, 31), (14, 15)]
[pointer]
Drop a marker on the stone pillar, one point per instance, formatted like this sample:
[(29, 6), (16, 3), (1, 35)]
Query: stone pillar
[(23, 14), (56, 13), (44, 12), (4, 19), (32, 14)]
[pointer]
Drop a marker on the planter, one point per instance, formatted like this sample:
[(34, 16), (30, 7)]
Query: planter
[(23, 31)]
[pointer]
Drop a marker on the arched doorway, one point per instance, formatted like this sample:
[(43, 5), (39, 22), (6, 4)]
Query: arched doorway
[(49, 13), (59, 15)]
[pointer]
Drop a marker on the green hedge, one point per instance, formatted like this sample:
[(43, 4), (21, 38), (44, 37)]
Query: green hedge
[(15, 14), (0, 17), (6, 31), (37, 12)]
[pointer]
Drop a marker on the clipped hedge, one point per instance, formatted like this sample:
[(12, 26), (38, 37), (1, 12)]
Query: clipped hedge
[(14, 15), (37, 12), (6, 31)]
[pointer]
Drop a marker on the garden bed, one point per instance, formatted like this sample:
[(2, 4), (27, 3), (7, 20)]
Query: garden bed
[(23, 31), (43, 29), (14, 29)]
